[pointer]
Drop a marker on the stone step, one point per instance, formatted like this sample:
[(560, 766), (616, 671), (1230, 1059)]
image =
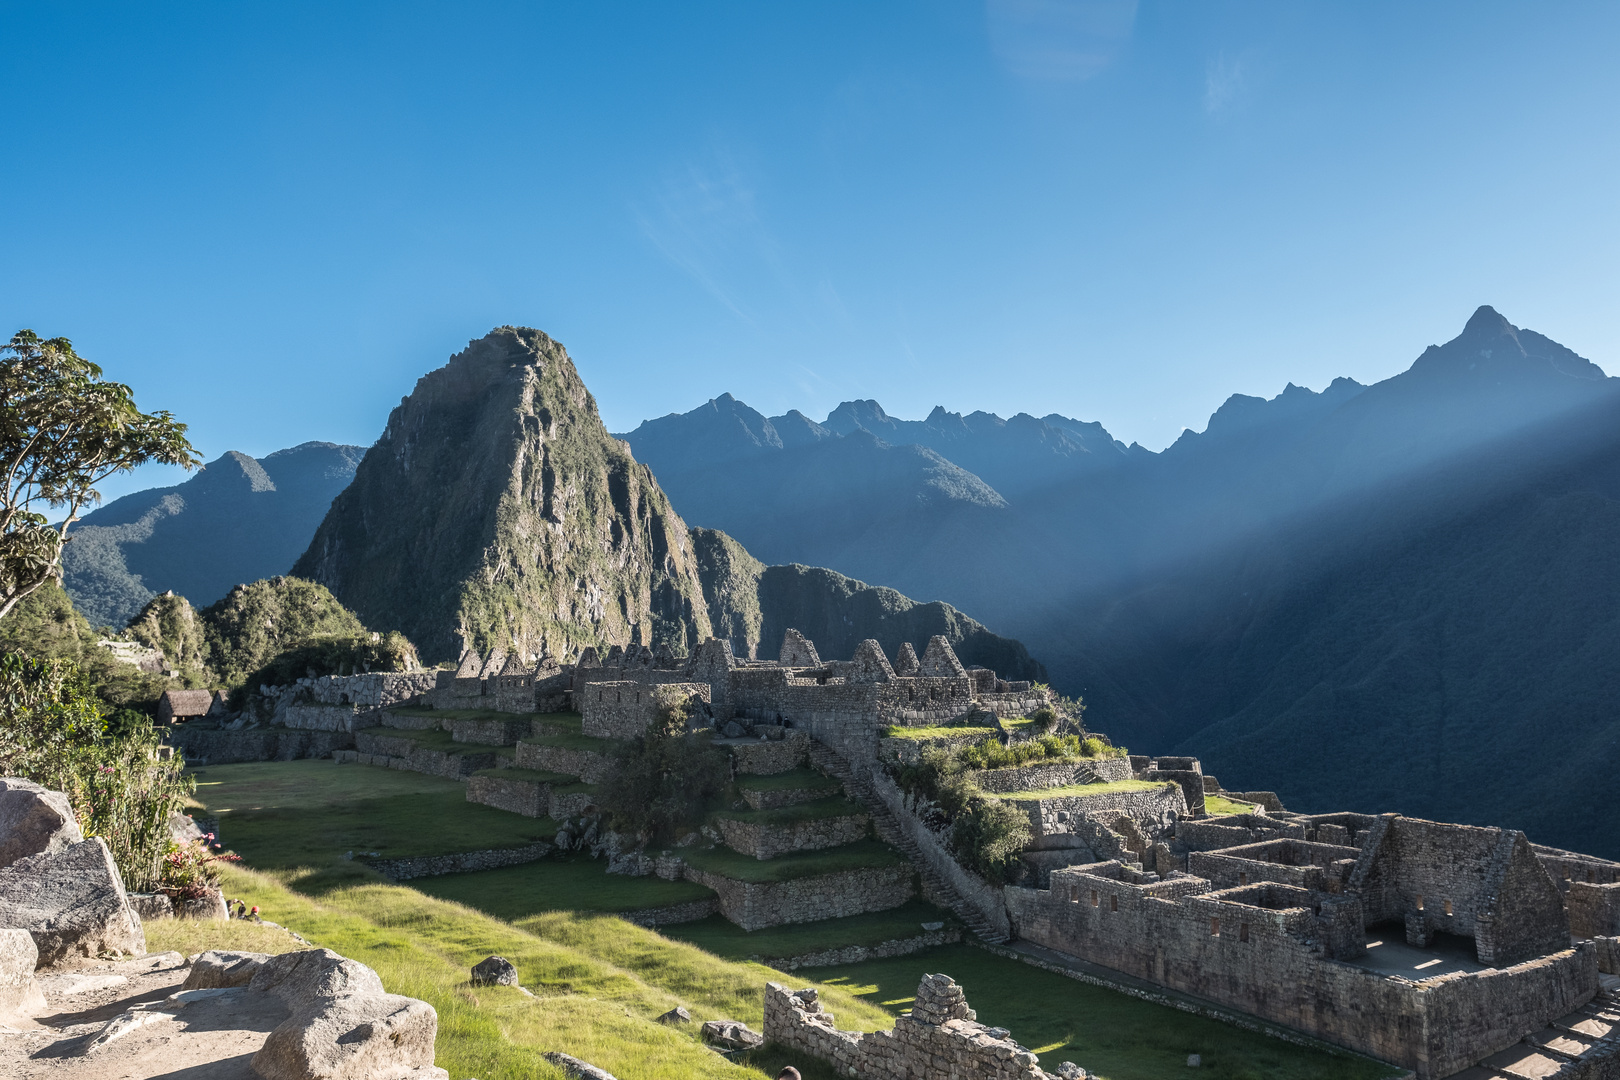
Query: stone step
[(889, 830)]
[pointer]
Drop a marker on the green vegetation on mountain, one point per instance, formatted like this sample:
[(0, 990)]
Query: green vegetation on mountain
[(496, 510)]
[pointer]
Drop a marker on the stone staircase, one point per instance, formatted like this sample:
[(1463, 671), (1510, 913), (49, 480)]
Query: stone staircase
[(1585, 1045), (936, 888)]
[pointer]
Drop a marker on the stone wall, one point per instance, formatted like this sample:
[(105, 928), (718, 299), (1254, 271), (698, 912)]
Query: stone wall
[(216, 747), (1594, 910), (1229, 948), (1234, 831), (623, 708), (671, 914), (766, 841), (860, 954), (488, 732), (1318, 867), (974, 890), (1153, 811), (774, 800), (530, 798), (808, 899), (768, 757), (588, 765), (941, 1037), (462, 863), (409, 755), (1031, 777)]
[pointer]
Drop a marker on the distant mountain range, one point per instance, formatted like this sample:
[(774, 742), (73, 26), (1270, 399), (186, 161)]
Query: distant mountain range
[(1370, 596), (238, 520)]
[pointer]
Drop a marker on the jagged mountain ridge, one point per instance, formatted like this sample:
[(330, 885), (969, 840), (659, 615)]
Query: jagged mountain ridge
[(239, 519), (497, 512)]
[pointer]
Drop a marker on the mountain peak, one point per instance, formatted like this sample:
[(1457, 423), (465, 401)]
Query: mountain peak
[(1486, 320)]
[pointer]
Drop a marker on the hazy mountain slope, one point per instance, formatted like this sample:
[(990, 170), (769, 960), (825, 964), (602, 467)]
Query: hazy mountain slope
[(1444, 646), (497, 509), (239, 519), (754, 605)]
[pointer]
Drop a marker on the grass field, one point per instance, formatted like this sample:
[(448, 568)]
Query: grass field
[(558, 884), (570, 740), (862, 855), (1216, 805), (792, 780), (1082, 790), (925, 734), (728, 940), (284, 815), (837, 806), (601, 981), (1115, 1036)]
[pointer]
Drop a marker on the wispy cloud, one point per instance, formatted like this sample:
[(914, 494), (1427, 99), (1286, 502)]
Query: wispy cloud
[(703, 217), (1058, 40), (1225, 81)]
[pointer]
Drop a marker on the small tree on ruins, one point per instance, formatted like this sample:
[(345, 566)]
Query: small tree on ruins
[(63, 430), (667, 779)]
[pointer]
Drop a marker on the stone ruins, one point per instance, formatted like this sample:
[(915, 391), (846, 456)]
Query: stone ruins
[(1444, 949)]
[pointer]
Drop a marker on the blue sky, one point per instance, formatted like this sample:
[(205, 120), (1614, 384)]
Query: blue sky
[(272, 219)]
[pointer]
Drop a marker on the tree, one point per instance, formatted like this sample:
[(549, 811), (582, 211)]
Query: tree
[(63, 430)]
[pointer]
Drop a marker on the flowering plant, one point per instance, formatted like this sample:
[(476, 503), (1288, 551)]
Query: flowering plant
[(189, 870)]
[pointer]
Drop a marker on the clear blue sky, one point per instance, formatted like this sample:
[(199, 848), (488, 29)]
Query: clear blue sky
[(271, 219)]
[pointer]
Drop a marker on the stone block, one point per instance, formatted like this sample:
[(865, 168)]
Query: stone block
[(33, 821), (20, 995), (73, 903), (223, 968), (352, 1036)]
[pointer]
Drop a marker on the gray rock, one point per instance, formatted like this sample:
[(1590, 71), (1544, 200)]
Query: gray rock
[(221, 968), (296, 977), (731, 1035), (73, 903), (733, 730), (677, 1015), (575, 1069), (1068, 1070), (494, 971), (352, 1036), (151, 905), (182, 830), (34, 821), (20, 994), (1195, 1061), (210, 905)]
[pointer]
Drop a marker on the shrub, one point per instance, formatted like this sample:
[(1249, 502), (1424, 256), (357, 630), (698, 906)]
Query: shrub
[(662, 784), (190, 870), (53, 733), (989, 838), (993, 755)]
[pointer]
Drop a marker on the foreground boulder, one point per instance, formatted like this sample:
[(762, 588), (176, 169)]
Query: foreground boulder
[(494, 971), (731, 1035), (222, 969), (353, 1036), (72, 902), (20, 995), (34, 821), (298, 977)]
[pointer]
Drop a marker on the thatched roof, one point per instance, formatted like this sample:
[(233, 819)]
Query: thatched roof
[(185, 702)]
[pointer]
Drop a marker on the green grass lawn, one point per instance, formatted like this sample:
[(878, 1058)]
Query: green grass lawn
[(1082, 790), (438, 739), (570, 740), (288, 814), (1217, 805), (859, 856), (925, 734), (536, 776), (1116, 1036), (722, 938), (837, 806), (570, 883), (792, 780)]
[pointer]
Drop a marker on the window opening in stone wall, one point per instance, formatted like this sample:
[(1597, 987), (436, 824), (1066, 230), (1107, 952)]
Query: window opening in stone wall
[(1093, 897), (1420, 901), (1243, 879), (1589, 877), (1448, 907), (1074, 894), (1113, 903), (1214, 928), (1243, 931)]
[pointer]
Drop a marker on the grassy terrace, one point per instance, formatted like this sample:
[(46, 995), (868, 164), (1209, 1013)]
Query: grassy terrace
[(573, 740), (1219, 805), (722, 938), (866, 854), (437, 739), (535, 776), (792, 780), (928, 734), (285, 814), (558, 884), (1069, 791), (837, 806)]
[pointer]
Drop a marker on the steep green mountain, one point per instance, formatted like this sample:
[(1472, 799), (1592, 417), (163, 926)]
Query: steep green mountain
[(496, 510), (45, 625), (237, 520), (753, 605)]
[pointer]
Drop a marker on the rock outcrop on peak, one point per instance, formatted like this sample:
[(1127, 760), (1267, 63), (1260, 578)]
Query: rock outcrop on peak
[(497, 511)]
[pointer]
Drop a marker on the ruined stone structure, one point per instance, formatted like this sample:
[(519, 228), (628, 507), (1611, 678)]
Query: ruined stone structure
[(941, 1036)]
